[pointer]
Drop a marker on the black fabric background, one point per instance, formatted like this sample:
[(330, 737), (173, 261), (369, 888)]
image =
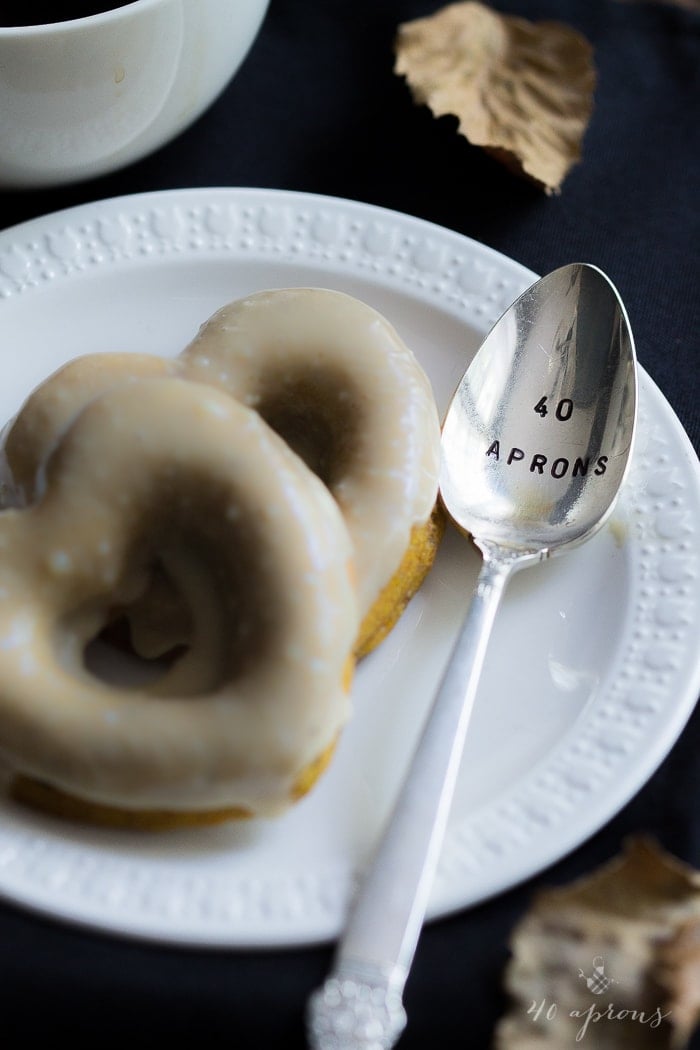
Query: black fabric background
[(317, 108)]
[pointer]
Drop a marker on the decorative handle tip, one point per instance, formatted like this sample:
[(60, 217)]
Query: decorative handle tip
[(348, 1014)]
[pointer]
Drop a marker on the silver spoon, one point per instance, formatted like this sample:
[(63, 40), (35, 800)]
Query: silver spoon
[(535, 446)]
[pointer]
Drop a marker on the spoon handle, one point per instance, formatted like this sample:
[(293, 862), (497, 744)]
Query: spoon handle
[(360, 1003)]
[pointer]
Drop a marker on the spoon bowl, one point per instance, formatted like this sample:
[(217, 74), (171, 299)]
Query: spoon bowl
[(535, 447), (537, 437)]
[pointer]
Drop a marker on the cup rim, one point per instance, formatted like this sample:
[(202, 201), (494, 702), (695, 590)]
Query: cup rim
[(70, 24)]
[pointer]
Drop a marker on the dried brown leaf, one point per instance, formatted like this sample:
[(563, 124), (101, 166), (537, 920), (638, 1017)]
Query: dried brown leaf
[(678, 971), (521, 90), (614, 959)]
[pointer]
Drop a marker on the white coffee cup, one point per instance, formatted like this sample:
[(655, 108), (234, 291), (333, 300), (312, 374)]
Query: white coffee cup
[(88, 96)]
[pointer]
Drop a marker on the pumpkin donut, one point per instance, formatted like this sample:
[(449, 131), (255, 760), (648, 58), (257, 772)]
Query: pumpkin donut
[(334, 379), (172, 471)]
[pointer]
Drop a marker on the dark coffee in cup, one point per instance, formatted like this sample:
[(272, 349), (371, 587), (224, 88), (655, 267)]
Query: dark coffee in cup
[(36, 12)]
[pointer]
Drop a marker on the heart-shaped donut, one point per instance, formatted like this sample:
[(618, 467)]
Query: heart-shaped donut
[(168, 471), (332, 376)]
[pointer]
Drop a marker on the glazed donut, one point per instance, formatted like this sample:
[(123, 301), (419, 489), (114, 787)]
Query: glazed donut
[(334, 379), (168, 470)]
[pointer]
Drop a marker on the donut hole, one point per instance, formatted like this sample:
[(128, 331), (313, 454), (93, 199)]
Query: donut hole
[(139, 642), (158, 624), (318, 412), (207, 612), (112, 658)]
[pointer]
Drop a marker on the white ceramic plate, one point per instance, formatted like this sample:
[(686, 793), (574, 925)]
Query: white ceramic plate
[(593, 668)]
